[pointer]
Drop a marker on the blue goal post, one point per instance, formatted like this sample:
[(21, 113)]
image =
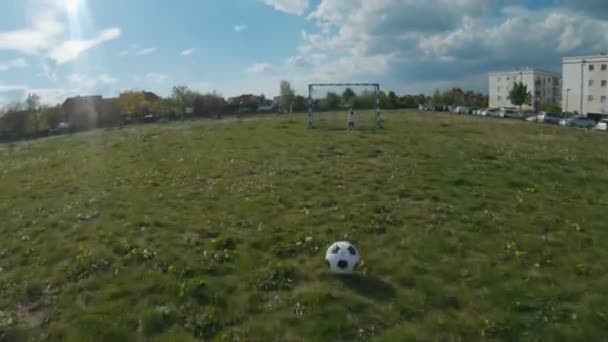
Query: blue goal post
[(312, 86)]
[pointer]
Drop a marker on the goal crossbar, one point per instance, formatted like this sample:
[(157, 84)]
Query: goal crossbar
[(313, 85)]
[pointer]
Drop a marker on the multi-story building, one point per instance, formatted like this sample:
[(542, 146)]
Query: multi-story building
[(585, 89), (545, 87)]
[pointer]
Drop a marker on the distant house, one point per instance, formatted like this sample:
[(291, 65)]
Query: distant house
[(247, 102), (150, 96), (266, 106), (82, 112), (87, 112)]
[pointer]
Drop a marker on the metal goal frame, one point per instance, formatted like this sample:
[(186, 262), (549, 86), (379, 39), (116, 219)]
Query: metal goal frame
[(312, 86)]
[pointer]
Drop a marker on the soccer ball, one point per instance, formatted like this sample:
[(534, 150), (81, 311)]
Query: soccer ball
[(342, 257)]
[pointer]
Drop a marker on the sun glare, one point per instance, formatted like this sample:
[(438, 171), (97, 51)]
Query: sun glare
[(71, 6)]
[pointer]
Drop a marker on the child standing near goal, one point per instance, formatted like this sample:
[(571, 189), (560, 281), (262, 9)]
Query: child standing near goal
[(351, 119)]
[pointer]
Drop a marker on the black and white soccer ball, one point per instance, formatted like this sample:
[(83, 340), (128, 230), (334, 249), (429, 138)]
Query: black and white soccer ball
[(342, 257)]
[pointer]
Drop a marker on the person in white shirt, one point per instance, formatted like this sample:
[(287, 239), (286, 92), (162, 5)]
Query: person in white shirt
[(351, 119)]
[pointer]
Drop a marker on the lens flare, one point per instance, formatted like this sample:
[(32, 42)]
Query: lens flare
[(71, 6)]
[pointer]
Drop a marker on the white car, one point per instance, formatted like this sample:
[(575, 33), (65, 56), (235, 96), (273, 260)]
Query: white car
[(602, 125), (511, 114), (493, 112)]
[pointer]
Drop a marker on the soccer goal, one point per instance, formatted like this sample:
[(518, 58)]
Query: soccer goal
[(329, 105)]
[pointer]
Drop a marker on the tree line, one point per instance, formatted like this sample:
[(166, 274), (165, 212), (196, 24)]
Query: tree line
[(30, 119), (348, 98)]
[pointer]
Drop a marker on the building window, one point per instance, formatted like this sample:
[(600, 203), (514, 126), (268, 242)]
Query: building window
[(549, 80), (508, 97), (499, 98), (591, 67), (498, 78), (591, 83), (590, 98), (508, 78), (499, 89), (603, 67), (603, 83), (603, 99)]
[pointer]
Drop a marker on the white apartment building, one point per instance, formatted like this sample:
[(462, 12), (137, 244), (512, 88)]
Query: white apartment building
[(545, 87), (585, 84)]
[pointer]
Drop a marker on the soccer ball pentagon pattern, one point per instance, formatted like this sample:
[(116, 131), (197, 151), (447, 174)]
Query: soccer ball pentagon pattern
[(342, 257)]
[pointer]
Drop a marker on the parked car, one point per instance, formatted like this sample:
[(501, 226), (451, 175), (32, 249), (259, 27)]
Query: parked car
[(602, 125), (511, 114), (533, 118), (483, 112), (495, 112), (550, 118), (62, 128), (462, 110), (577, 121), (150, 118)]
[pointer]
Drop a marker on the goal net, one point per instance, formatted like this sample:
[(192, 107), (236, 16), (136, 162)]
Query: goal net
[(329, 105)]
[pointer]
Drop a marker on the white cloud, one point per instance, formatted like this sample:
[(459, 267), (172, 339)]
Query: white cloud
[(14, 63), (70, 50), (240, 28), (259, 68), (45, 35), (442, 42), (44, 29), (155, 77), (85, 82), (145, 51), (188, 52), (296, 7), (11, 87)]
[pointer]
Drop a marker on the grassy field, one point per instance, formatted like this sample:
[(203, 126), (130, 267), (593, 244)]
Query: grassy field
[(470, 229)]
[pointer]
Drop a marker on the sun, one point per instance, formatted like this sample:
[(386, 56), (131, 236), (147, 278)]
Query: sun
[(72, 6)]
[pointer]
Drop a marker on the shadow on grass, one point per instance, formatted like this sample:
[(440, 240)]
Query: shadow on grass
[(369, 286)]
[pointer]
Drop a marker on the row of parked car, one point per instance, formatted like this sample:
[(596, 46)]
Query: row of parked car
[(569, 120), (562, 119)]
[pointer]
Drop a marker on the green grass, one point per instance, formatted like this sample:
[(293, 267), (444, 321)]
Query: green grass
[(470, 228)]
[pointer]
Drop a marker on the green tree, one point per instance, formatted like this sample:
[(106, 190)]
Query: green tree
[(210, 104), (132, 103), (348, 95), (166, 108), (437, 98), (184, 97), (54, 115), (550, 108), (520, 95), (32, 102), (331, 101), (448, 98), (287, 96), (407, 101), (300, 103), (392, 100), (366, 100), (421, 99)]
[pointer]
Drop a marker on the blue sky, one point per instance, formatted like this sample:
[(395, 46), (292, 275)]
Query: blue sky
[(59, 48)]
